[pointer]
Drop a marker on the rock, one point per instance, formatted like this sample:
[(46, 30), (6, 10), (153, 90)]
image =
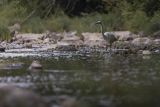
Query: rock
[(69, 43), (10, 66), (122, 45), (28, 45), (142, 43), (35, 66), (93, 40), (146, 57), (146, 52), (64, 46), (11, 96), (29, 37), (66, 101), (47, 40), (125, 35), (14, 46), (54, 37), (2, 49), (156, 41), (72, 39)]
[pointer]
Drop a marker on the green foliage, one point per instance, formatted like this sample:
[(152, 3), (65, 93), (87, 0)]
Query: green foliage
[(4, 32), (154, 24), (80, 15), (35, 25), (10, 13), (137, 22)]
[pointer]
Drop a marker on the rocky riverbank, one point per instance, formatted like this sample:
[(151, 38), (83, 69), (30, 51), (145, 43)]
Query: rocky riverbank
[(72, 41)]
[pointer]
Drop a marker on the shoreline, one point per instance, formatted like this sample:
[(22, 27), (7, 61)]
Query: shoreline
[(127, 43)]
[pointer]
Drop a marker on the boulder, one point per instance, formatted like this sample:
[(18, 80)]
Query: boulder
[(142, 43), (125, 35), (146, 52)]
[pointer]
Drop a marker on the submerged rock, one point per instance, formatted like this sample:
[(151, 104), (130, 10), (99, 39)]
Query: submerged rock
[(66, 101), (35, 66), (11, 96), (12, 66)]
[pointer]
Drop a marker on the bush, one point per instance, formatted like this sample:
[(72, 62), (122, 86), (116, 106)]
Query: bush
[(85, 24), (34, 25), (137, 22), (154, 25), (10, 13), (4, 33)]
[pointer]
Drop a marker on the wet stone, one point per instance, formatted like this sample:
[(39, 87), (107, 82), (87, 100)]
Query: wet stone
[(35, 66), (11, 96)]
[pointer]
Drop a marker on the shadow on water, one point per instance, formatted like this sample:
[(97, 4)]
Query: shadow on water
[(95, 80)]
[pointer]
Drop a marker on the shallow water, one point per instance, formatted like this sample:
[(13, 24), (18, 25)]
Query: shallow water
[(95, 80)]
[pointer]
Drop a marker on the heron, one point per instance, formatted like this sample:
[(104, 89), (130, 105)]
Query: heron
[(108, 36)]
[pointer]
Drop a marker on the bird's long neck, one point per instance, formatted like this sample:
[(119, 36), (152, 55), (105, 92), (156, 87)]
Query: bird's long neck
[(102, 29)]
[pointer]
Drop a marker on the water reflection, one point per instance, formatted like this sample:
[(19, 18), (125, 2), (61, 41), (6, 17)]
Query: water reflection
[(94, 81)]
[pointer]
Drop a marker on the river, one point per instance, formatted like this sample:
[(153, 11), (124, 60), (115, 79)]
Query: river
[(94, 80)]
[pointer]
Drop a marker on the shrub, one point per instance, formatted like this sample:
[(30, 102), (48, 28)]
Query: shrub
[(34, 25), (4, 33), (154, 24), (137, 22), (10, 13)]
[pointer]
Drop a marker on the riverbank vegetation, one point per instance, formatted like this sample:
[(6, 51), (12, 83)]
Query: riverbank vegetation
[(58, 15)]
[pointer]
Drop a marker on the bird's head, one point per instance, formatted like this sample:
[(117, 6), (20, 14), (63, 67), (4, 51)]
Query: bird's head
[(98, 22)]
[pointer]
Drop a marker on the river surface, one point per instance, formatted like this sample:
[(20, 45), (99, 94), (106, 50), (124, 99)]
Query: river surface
[(94, 80)]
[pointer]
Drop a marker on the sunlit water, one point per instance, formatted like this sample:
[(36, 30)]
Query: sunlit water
[(95, 80)]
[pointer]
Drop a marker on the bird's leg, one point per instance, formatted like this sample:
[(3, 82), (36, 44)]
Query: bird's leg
[(110, 48), (106, 47)]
